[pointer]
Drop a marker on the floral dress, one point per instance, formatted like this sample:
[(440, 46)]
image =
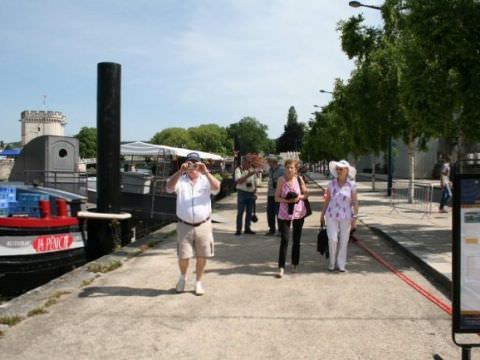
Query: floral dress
[(340, 205)]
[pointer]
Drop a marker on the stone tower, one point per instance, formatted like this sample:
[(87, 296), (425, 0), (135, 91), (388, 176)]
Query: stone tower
[(38, 123)]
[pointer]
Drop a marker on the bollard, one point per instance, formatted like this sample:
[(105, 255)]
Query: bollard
[(45, 212), (108, 137), (101, 232), (62, 210)]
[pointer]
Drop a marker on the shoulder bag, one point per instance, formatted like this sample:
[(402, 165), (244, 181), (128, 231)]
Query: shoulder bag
[(308, 207)]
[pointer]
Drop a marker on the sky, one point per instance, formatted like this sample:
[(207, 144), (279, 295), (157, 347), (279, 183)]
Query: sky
[(184, 62)]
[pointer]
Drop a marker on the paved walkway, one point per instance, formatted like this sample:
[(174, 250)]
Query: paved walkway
[(133, 312), (427, 237)]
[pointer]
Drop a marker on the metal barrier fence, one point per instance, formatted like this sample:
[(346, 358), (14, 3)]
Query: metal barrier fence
[(422, 201)]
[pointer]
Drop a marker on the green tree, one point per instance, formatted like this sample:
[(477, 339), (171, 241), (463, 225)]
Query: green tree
[(87, 138), (176, 137), (292, 137), (441, 77), (251, 134), (211, 138)]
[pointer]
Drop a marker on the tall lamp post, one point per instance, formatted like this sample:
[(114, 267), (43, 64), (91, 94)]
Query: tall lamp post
[(357, 4), (325, 91)]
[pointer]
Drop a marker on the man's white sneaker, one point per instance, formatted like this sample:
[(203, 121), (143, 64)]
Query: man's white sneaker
[(199, 290), (180, 285)]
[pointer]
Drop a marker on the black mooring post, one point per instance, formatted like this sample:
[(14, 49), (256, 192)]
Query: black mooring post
[(108, 137), (466, 352), (101, 239)]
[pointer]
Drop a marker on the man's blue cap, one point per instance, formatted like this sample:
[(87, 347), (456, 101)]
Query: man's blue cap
[(193, 156)]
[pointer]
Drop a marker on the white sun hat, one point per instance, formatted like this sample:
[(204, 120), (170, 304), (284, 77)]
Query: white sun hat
[(332, 165)]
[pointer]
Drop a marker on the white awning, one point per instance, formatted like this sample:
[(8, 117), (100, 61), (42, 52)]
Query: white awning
[(139, 148)]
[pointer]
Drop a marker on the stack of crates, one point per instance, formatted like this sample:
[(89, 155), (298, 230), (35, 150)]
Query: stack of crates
[(8, 199), (27, 203)]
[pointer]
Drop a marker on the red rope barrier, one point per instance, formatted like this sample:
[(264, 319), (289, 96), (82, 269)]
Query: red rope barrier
[(437, 301)]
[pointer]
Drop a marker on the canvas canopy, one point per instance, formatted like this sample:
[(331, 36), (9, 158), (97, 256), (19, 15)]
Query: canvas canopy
[(140, 148)]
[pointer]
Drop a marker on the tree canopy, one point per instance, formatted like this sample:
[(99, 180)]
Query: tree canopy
[(415, 78), (87, 138), (176, 137), (211, 138), (251, 136), (292, 137)]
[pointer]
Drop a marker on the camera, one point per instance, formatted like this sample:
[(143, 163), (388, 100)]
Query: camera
[(291, 195), (192, 166)]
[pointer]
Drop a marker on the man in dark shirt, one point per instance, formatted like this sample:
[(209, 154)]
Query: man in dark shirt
[(276, 171)]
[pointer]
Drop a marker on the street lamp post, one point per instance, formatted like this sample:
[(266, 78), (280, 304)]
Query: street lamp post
[(357, 4), (325, 91)]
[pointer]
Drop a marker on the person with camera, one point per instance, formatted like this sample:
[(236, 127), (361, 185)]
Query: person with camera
[(340, 211), (246, 185), (291, 192), (275, 171), (194, 185)]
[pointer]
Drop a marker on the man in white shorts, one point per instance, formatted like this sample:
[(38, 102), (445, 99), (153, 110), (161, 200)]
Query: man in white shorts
[(194, 185)]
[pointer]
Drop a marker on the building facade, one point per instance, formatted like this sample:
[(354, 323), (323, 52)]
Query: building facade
[(38, 123), (427, 163)]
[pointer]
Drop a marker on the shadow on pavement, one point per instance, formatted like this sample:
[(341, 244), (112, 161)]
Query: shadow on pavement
[(101, 291), (258, 255)]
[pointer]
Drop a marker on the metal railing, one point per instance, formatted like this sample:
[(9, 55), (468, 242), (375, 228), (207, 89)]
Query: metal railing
[(420, 202), (71, 181)]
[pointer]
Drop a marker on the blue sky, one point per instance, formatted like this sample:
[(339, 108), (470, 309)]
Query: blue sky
[(184, 63)]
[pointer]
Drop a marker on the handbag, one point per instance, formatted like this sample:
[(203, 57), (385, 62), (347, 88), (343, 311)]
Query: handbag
[(322, 242), (308, 207)]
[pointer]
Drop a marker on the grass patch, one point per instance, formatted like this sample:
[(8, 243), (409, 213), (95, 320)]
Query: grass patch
[(51, 302), (153, 243), (104, 268), (135, 253), (170, 233), (37, 311), (10, 320), (87, 282), (53, 299)]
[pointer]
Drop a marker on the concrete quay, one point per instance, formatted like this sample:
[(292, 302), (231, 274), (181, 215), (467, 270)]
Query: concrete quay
[(133, 312)]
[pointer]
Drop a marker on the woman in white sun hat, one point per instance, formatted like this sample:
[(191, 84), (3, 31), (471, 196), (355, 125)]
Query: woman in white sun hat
[(340, 211)]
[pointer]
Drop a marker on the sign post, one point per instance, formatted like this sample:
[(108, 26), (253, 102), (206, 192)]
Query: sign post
[(466, 253)]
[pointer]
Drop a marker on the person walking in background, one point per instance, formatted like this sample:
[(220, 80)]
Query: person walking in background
[(246, 185), (194, 185), (445, 185), (290, 193), (340, 211), (275, 171)]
